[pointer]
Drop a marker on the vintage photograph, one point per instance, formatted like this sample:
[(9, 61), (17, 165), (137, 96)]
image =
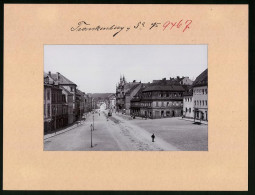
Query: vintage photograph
[(125, 98)]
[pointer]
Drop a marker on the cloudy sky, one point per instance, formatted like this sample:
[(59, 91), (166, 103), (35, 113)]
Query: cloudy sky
[(97, 68)]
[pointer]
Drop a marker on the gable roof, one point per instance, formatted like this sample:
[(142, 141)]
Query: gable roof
[(79, 92), (164, 88), (62, 80), (132, 89), (202, 79)]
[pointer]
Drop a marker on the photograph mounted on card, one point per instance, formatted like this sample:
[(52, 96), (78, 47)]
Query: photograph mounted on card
[(151, 96)]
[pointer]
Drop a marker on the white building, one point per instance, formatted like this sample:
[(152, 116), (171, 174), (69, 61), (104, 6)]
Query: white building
[(188, 104), (200, 96), (186, 81)]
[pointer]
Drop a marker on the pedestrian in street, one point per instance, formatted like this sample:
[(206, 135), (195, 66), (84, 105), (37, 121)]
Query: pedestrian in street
[(153, 137)]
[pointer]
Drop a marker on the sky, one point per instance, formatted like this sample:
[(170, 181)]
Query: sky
[(97, 68)]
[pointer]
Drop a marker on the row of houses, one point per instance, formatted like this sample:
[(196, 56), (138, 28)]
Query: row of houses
[(178, 96), (64, 103)]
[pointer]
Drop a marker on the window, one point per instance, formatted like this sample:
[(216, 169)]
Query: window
[(44, 110), (189, 110), (206, 102), (205, 91), (186, 110), (195, 102), (203, 102)]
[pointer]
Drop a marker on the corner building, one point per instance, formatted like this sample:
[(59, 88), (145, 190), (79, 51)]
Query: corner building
[(158, 101), (200, 96)]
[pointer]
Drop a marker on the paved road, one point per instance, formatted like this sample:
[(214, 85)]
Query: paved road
[(113, 134)]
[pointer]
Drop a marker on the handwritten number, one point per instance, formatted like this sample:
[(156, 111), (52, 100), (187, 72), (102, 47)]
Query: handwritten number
[(188, 22)]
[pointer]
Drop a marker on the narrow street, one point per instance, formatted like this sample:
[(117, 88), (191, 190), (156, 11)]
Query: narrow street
[(116, 133)]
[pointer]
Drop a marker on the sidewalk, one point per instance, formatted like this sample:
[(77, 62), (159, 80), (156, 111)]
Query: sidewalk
[(73, 126), (192, 120)]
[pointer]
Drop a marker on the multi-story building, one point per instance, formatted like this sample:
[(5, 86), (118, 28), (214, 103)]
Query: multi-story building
[(87, 100), (188, 104), (200, 96), (120, 94), (56, 106), (125, 91), (47, 104), (112, 101), (69, 86), (68, 100), (158, 101), (129, 95), (80, 101)]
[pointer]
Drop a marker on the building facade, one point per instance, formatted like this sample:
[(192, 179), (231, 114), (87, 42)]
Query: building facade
[(47, 105), (112, 102), (158, 101), (188, 104), (125, 91), (200, 96), (70, 87)]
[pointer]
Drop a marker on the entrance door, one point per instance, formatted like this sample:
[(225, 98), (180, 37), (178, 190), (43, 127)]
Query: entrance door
[(173, 114), (162, 114), (157, 114)]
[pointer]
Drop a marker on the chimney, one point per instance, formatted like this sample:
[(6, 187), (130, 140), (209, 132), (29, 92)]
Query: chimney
[(49, 73), (58, 75), (134, 81)]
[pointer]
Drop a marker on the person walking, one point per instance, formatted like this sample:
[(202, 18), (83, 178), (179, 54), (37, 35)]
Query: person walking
[(153, 137)]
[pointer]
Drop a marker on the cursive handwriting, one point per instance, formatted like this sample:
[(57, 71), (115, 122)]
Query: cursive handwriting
[(83, 26), (182, 25)]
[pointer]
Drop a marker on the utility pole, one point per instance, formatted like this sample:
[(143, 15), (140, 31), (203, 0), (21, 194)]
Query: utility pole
[(91, 135), (93, 122)]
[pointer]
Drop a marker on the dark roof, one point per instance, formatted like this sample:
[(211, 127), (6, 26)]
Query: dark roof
[(164, 88), (79, 92), (132, 89), (188, 90), (202, 79), (137, 96), (62, 79)]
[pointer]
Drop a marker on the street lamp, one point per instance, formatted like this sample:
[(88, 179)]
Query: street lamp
[(93, 122), (91, 135)]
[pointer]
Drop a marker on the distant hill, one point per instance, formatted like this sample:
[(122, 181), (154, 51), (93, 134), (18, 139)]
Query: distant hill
[(100, 95)]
